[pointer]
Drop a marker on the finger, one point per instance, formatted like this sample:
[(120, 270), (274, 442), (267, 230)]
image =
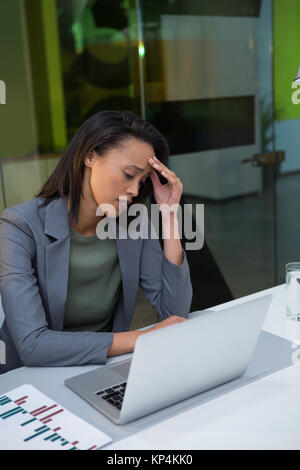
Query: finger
[(169, 177), (168, 174), (164, 167), (180, 319), (154, 178), (154, 162), (154, 175), (172, 179)]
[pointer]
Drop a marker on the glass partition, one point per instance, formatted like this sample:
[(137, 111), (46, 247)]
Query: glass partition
[(208, 88), (99, 53)]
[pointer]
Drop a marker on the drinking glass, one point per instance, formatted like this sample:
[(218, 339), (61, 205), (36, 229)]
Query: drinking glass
[(293, 290)]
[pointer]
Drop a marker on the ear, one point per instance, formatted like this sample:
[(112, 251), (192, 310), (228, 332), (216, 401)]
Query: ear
[(90, 158)]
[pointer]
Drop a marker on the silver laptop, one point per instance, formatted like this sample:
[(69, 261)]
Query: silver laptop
[(176, 362)]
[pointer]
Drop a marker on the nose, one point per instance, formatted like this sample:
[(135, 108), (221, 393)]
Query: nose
[(133, 189)]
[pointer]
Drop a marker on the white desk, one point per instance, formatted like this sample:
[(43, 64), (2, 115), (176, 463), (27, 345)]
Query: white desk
[(264, 414)]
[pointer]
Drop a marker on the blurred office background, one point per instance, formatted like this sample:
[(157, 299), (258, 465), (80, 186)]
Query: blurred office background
[(214, 76)]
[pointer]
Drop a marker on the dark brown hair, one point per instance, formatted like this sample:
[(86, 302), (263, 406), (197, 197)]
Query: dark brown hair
[(101, 132)]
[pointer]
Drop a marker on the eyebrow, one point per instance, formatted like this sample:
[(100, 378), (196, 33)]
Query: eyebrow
[(137, 168)]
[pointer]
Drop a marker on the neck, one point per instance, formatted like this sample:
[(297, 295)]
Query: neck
[(87, 219)]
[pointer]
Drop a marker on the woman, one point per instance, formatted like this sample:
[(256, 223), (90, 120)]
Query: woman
[(69, 296)]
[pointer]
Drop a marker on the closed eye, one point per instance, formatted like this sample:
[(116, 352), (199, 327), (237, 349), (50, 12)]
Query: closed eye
[(131, 177)]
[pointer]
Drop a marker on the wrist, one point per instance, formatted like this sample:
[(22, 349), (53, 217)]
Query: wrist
[(136, 335), (169, 213), (146, 330), (170, 228)]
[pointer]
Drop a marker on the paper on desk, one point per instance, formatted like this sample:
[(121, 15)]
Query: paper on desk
[(31, 420)]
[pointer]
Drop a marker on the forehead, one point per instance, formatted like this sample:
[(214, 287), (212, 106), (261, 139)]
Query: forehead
[(137, 149), (135, 153)]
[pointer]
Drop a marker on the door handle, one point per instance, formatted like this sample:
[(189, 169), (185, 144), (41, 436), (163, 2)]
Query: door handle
[(266, 159)]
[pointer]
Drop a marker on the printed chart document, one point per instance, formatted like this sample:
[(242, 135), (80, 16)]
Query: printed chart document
[(31, 420)]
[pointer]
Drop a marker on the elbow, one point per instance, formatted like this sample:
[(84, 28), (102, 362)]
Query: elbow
[(29, 350), (28, 359), (180, 304), (28, 362), (185, 304), (189, 296)]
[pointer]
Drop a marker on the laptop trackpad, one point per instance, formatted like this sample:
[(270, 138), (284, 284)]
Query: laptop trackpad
[(122, 369), (111, 375)]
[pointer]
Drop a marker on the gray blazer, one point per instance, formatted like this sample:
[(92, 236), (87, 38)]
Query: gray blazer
[(34, 265)]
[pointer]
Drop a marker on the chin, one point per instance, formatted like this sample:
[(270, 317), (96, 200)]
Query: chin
[(109, 209)]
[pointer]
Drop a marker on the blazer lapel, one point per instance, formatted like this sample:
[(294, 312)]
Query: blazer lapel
[(57, 226), (128, 253)]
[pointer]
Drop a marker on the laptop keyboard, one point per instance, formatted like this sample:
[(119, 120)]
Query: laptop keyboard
[(114, 395)]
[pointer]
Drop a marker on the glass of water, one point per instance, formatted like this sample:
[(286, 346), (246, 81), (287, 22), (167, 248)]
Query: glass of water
[(293, 291)]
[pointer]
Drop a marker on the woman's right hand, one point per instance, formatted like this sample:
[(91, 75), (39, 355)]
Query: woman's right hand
[(124, 342), (172, 320)]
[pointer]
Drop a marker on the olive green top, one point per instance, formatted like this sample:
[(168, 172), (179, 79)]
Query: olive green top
[(94, 283)]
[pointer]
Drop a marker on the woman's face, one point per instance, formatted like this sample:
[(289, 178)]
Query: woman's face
[(119, 173)]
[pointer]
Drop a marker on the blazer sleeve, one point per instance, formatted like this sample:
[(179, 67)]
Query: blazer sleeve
[(36, 344), (166, 285)]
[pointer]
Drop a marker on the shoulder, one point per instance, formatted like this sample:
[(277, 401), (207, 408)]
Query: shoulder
[(26, 215), (26, 209)]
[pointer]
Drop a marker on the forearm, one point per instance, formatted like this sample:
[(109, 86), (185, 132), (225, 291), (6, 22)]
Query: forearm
[(123, 342), (51, 348), (172, 243)]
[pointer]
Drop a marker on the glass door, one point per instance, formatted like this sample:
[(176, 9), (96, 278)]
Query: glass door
[(208, 86)]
